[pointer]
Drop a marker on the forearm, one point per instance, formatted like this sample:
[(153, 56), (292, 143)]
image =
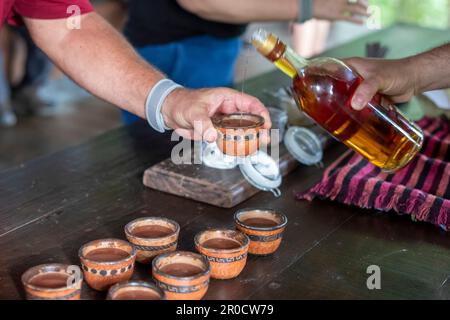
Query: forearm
[(99, 59), (431, 69), (242, 11)]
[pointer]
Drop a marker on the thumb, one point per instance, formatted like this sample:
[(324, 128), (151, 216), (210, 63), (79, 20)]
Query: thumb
[(204, 129), (365, 92)]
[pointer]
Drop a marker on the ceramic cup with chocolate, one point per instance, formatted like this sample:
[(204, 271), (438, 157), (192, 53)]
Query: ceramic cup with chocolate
[(238, 133), (226, 251), (52, 282), (106, 262), (152, 236), (181, 275), (135, 290), (264, 227)]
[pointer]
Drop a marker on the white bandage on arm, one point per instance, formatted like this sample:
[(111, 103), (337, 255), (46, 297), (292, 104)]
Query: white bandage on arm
[(154, 102)]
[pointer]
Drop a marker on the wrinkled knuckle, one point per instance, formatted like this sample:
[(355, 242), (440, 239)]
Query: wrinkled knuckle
[(376, 79)]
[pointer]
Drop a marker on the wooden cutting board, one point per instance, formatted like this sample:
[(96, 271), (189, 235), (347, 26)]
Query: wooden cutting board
[(222, 188)]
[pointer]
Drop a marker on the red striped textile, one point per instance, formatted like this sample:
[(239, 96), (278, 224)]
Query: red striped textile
[(421, 189)]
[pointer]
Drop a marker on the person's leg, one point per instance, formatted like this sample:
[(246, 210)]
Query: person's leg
[(7, 116), (29, 70), (310, 38), (38, 66), (323, 30), (206, 61)]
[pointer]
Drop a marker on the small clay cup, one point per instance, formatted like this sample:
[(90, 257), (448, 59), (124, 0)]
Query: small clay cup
[(135, 290), (152, 242), (226, 251), (238, 133), (264, 227), (52, 282), (181, 275), (102, 273)]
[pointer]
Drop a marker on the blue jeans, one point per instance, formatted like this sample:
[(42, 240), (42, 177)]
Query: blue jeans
[(197, 62), (4, 84)]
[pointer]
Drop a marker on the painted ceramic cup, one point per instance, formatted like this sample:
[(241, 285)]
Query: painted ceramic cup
[(182, 275), (106, 262), (238, 133), (135, 290), (53, 282), (152, 236), (264, 227), (226, 251)]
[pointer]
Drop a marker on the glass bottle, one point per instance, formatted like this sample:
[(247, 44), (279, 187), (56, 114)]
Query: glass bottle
[(324, 88)]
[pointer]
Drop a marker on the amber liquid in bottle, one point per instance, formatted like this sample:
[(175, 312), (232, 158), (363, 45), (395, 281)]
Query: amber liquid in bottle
[(324, 89)]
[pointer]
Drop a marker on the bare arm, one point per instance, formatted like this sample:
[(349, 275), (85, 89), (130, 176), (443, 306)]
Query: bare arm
[(99, 59), (244, 11), (401, 79), (432, 69)]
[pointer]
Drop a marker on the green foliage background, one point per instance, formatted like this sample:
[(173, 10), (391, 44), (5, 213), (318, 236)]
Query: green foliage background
[(426, 13)]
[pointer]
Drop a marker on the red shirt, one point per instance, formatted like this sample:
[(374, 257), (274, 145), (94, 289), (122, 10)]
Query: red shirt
[(12, 10)]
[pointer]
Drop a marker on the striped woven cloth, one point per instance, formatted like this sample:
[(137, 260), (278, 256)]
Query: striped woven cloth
[(421, 189)]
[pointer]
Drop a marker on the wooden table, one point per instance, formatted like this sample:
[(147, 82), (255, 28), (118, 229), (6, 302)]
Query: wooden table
[(50, 206)]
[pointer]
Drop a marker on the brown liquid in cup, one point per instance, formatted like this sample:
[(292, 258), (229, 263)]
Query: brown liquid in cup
[(181, 269), (107, 255), (137, 294), (151, 231), (260, 222), (51, 280), (221, 243), (236, 123)]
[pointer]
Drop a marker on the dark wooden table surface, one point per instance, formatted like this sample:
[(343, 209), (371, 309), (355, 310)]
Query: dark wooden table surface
[(50, 206)]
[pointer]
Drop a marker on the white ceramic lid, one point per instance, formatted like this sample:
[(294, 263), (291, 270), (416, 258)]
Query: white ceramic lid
[(262, 172), (212, 157), (304, 145)]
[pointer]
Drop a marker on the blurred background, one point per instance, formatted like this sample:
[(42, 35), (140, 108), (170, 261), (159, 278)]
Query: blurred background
[(42, 111)]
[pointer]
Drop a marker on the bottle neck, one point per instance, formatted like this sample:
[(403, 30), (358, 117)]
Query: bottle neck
[(279, 53), (290, 62)]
